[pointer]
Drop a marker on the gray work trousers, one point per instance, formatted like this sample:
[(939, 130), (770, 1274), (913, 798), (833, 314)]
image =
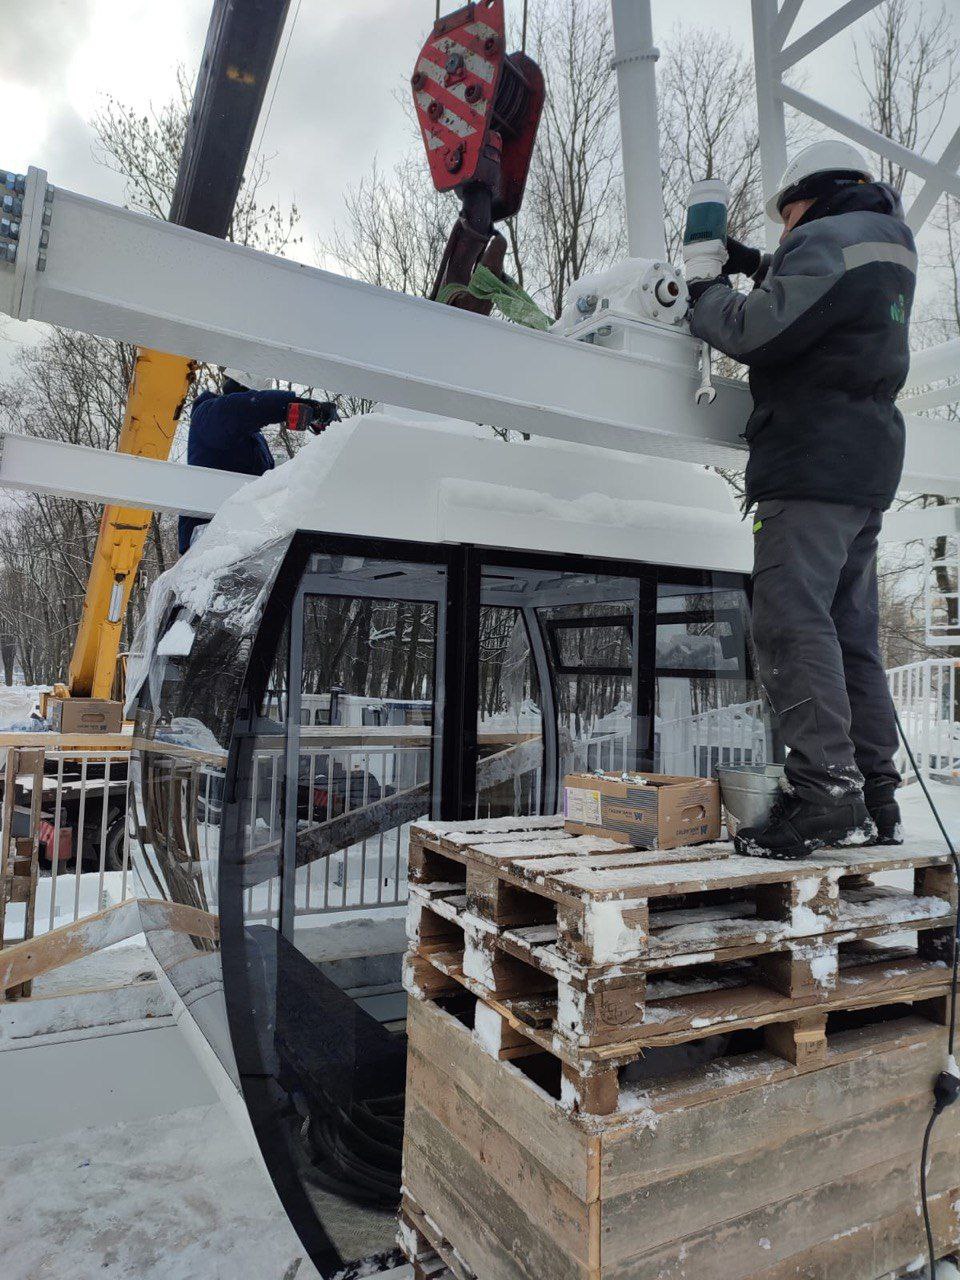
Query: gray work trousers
[(815, 630)]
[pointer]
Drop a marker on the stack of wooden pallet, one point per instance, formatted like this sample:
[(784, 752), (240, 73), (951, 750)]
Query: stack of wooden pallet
[(666, 1065)]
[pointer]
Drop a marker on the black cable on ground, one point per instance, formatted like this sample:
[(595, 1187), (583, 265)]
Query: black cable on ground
[(947, 1087)]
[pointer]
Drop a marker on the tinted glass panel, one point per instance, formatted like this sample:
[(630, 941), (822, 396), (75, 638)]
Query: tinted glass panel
[(709, 706), (335, 789), (509, 718)]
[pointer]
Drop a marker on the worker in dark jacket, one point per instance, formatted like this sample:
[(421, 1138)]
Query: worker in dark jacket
[(226, 431), (825, 336)]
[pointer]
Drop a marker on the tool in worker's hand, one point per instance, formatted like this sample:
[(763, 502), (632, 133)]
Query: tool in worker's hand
[(705, 232), (311, 415), (706, 393), (478, 108), (704, 255)]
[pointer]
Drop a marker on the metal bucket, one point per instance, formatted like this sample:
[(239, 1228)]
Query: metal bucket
[(748, 793)]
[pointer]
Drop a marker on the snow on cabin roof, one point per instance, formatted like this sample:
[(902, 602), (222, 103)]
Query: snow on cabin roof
[(404, 475), (432, 480)]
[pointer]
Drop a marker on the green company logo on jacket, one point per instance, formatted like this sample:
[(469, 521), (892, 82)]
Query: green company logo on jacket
[(898, 310)]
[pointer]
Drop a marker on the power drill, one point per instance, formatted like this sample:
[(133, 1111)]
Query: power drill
[(311, 415)]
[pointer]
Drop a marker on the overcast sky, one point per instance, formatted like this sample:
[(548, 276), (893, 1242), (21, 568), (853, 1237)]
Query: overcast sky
[(335, 105)]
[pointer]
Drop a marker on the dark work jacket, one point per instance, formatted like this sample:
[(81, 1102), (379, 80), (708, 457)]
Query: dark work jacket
[(826, 338), (226, 433)]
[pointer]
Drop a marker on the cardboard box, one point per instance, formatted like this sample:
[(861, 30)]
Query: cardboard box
[(85, 715), (649, 811)]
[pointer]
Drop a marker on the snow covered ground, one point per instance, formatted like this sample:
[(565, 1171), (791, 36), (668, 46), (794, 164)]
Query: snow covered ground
[(918, 821), (17, 701), (174, 1197)]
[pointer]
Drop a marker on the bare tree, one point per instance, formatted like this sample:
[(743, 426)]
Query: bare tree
[(908, 66), (144, 148), (572, 221), (708, 128), (73, 387), (395, 228)]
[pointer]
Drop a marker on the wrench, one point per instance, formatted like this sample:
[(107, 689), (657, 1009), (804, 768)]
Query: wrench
[(706, 393)]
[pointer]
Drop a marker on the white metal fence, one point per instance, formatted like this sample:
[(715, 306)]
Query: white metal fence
[(84, 857), (699, 744), (925, 695), (84, 800), (334, 782)]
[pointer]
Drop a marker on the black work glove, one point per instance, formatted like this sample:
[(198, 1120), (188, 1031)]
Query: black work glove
[(741, 259), (311, 415), (697, 288)]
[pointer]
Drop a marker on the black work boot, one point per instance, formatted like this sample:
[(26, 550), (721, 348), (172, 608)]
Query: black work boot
[(880, 797), (797, 827)]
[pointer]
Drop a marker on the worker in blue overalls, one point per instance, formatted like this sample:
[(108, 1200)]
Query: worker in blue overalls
[(226, 431)]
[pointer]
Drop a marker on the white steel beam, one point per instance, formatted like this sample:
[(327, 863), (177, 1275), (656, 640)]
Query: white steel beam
[(770, 118), (635, 61), (932, 463), (933, 364), (930, 170), (824, 31), (783, 23), (934, 399), (97, 475), (912, 523), (126, 276), (928, 195)]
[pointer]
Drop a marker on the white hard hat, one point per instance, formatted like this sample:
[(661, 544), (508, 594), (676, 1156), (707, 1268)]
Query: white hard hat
[(831, 157), (247, 379)]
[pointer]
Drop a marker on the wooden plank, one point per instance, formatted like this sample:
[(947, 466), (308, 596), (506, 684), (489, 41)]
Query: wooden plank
[(431, 1257), (721, 1008), (81, 938), (70, 741), (735, 1105), (513, 1174), (625, 857), (860, 987), (462, 837), (501, 1090), (490, 1231), (804, 1042), (875, 1249), (764, 1237), (428, 829), (730, 1187), (30, 762), (735, 872)]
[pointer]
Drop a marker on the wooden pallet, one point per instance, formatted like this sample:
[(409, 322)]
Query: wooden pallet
[(19, 854), (597, 957), (423, 1245), (612, 905), (749, 1168), (590, 1006)]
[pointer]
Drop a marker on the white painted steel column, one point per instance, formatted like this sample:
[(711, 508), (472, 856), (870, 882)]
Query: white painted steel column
[(773, 133), (635, 61)]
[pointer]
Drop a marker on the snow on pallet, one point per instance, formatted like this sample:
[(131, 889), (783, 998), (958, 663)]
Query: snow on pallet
[(595, 953)]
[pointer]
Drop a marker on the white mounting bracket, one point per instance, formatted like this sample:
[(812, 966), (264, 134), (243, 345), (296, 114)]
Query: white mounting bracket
[(18, 280)]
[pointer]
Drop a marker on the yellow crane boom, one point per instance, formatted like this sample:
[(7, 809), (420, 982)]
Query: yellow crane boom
[(240, 49), (155, 400)]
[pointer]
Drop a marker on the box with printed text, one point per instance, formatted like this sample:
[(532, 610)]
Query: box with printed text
[(649, 811)]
